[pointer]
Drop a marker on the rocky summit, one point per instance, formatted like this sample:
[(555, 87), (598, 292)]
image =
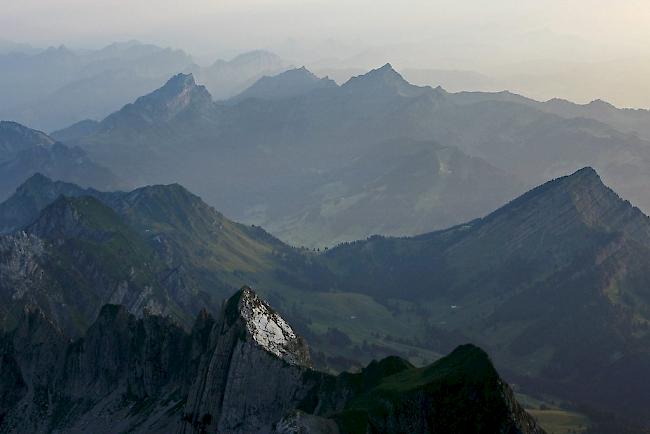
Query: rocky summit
[(245, 371)]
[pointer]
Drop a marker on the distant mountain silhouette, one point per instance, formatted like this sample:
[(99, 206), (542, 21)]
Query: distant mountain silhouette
[(226, 79), (26, 152), (56, 87), (274, 160), (288, 84)]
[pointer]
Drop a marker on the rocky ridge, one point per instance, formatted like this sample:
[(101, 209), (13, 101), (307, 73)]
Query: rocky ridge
[(246, 371)]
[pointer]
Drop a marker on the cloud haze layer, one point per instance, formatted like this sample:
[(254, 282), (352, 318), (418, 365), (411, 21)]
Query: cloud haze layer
[(253, 22), (497, 38)]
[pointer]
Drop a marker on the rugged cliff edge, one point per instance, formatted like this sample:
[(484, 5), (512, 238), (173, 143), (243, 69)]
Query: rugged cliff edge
[(247, 371), (252, 374)]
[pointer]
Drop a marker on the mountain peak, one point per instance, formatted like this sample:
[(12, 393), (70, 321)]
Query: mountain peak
[(266, 328), (586, 172), (177, 95), (386, 72), (37, 180), (76, 217), (179, 89), (580, 198), (15, 137), (287, 84), (181, 81), (583, 178), (382, 80), (599, 103)]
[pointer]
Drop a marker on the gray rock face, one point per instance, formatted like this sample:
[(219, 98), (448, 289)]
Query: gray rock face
[(245, 372), (29, 359), (125, 374), (239, 374), (21, 274), (255, 354)]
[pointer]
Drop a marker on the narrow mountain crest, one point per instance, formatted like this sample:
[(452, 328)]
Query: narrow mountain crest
[(386, 74), (287, 84), (384, 80), (585, 193)]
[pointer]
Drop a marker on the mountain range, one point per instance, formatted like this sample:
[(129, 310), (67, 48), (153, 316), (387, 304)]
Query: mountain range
[(24, 152), (159, 248), (91, 84), (553, 284), (294, 157)]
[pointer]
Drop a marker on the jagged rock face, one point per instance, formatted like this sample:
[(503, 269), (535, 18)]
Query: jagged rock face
[(31, 356), (103, 382), (21, 274), (239, 374), (255, 355), (246, 372), (144, 357)]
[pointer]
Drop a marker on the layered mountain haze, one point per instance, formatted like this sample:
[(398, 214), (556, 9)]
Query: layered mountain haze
[(626, 120), (91, 84), (25, 152), (289, 84), (85, 84), (298, 217), (403, 220), (298, 164), (227, 78), (285, 153), (400, 187), (245, 371)]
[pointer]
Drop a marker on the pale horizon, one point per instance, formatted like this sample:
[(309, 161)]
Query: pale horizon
[(512, 42)]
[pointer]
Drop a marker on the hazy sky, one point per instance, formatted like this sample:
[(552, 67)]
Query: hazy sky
[(201, 25), (489, 36)]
